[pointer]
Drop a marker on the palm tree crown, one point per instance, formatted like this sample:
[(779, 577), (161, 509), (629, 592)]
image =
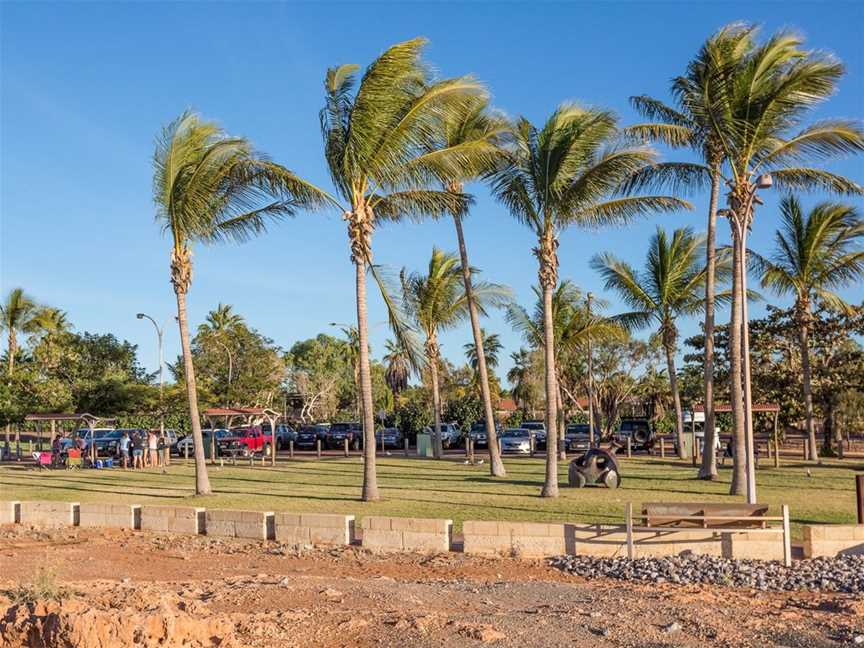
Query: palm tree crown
[(18, 314), (491, 347)]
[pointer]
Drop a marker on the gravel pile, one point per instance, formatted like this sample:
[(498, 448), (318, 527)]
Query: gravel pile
[(843, 574)]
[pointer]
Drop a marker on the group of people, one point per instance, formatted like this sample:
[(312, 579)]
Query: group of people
[(143, 448)]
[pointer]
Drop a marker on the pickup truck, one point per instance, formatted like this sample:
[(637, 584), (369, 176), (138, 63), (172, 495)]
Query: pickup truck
[(245, 441)]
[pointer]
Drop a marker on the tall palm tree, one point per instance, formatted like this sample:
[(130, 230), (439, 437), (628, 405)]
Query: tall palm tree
[(378, 145), (222, 319), (17, 315), (756, 113), (437, 301), (670, 286), (490, 347), (814, 255), (397, 369), (520, 377), (572, 171), (478, 134), (685, 126), (49, 321), (210, 187)]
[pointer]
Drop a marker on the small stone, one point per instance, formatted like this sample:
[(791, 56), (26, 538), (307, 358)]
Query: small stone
[(672, 627), (595, 615), (125, 580), (858, 640), (331, 593)]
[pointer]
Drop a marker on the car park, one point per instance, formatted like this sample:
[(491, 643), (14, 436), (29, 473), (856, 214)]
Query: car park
[(391, 437), (539, 430), (577, 437), (451, 435), (515, 441), (309, 435), (284, 434), (338, 432), (640, 431)]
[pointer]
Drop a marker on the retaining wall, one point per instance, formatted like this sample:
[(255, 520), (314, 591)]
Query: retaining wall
[(173, 519), (407, 534), (829, 540), (120, 516), (314, 528), (51, 514), (239, 524), (10, 512), (748, 545)]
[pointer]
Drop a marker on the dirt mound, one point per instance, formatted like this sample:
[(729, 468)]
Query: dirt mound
[(78, 624)]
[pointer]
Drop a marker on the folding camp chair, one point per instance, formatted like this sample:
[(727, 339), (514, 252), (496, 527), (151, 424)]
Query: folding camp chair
[(44, 460), (73, 459)]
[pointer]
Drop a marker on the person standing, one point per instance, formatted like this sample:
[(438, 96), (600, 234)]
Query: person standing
[(137, 450), (124, 449), (153, 445)]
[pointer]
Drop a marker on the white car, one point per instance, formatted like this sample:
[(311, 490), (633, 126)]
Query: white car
[(515, 441)]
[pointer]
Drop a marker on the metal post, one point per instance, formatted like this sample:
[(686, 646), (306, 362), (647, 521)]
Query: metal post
[(471, 452), (787, 540), (628, 521), (186, 452), (318, 447), (776, 442), (806, 449), (382, 441), (291, 448), (345, 445), (406, 447), (531, 443), (212, 445), (662, 448), (629, 448), (695, 451), (859, 496)]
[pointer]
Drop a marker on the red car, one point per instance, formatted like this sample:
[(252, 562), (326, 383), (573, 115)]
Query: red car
[(245, 441)]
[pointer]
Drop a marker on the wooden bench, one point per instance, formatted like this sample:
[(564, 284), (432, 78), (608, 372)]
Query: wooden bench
[(723, 517), (704, 515)]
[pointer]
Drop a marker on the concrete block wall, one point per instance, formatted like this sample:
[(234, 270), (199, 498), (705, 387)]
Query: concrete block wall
[(173, 519), (829, 540), (744, 545), (119, 516), (314, 528), (10, 512), (407, 534), (528, 539), (256, 525), (50, 514)]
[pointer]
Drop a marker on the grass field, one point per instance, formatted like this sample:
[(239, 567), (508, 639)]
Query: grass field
[(443, 489)]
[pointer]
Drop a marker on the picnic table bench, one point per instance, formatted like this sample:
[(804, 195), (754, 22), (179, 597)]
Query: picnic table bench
[(723, 517)]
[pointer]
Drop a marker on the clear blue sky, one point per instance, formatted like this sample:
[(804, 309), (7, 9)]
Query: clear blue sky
[(86, 87)]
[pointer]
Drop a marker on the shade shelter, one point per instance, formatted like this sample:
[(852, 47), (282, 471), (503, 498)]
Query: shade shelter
[(248, 416), (770, 408)]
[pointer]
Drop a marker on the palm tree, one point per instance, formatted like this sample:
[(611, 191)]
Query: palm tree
[(571, 171), (209, 187), (17, 315), (814, 255), (756, 111), (686, 126), (521, 378), (50, 321), (490, 347), (437, 301), (222, 320), (377, 145), (670, 286), (478, 134), (398, 368)]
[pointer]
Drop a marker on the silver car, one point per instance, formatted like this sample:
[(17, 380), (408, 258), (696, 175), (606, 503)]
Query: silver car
[(516, 441)]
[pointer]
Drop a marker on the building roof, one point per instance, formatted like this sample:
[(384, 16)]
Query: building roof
[(506, 405), (726, 407)]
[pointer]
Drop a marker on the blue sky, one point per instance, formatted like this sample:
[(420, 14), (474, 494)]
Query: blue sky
[(87, 86)]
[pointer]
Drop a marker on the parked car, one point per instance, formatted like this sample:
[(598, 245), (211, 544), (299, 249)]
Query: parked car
[(539, 430), (639, 431), (338, 432), (516, 441), (108, 445), (577, 437), (179, 448), (308, 435), (477, 434), (392, 437), (93, 436), (284, 434), (451, 435), (245, 441)]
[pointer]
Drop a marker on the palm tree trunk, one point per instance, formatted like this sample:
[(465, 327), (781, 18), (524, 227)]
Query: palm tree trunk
[(739, 467), (806, 376), (676, 398), (496, 465), (202, 480), (550, 485), (370, 476), (708, 470), (562, 421), (10, 367), (437, 449)]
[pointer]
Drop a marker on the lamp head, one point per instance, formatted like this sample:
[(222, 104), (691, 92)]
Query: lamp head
[(140, 316), (764, 181)]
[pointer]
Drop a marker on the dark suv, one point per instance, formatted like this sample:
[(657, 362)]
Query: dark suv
[(338, 432), (308, 435), (577, 438), (640, 432)]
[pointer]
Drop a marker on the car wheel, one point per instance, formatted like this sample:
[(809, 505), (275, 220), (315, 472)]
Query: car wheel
[(611, 479)]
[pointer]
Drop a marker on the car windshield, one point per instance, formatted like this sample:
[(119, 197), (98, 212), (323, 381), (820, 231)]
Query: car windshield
[(577, 429), (340, 427), (310, 429), (631, 426), (534, 426), (514, 433)]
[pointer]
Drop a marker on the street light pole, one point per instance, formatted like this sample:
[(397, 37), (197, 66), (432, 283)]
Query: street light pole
[(159, 335), (230, 371), (590, 379)]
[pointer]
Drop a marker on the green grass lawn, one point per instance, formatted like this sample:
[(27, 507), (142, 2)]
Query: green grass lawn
[(443, 489)]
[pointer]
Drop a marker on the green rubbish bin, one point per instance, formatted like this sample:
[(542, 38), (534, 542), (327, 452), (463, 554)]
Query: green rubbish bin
[(424, 445)]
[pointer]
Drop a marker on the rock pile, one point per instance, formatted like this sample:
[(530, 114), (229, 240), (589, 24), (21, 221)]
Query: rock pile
[(842, 574)]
